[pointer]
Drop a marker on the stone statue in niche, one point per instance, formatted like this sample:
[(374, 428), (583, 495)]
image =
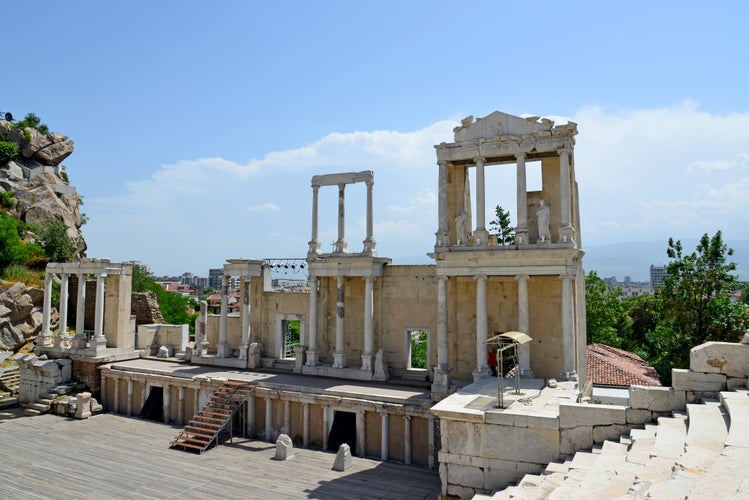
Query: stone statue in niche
[(542, 216), (461, 228)]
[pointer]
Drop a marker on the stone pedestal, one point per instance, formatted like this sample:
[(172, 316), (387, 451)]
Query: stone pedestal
[(366, 362), (342, 458), (299, 351), (223, 350), (381, 367), (339, 360), (441, 383), (284, 448), (313, 358), (83, 410)]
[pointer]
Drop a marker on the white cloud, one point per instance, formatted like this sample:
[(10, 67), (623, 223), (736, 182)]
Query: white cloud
[(643, 174)]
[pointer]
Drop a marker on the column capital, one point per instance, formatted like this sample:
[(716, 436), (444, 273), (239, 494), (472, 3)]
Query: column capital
[(479, 276), (369, 183), (442, 278), (479, 160), (442, 162), (564, 150), (566, 276), (522, 277), (520, 156)]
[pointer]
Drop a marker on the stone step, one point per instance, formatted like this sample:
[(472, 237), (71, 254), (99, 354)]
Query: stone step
[(614, 448), (737, 405), (670, 438), (583, 460), (45, 401), (708, 427), (40, 407), (30, 412)]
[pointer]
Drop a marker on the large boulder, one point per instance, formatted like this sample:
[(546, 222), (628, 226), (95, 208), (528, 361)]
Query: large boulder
[(47, 149), (41, 205), (21, 317)]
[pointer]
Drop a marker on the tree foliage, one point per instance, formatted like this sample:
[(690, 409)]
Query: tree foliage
[(56, 243), (503, 226), (694, 306), (173, 306), (33, 121), (12, 249)]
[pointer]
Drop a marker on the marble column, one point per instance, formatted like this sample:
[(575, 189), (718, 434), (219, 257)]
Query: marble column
[(80, 311), (196, 401), (129, 397), (314, 243), (144, 390), (116, 405), (568, 326), (442, 233), (167, 408), (407, 439), (246, 315), (251, 425), (521, 232), (430, 440), (566, 230), (268, 419), (369, 242), (63, 331), (384, 452), (305, 424), (339, 356), (368, 354), (524, 351), (340, 244), (481, 328), (441, 381), (481, 234), (286, 417), (222, 348), (46, 335), (325, 427), (181, 405), (312, 354), (99, 311), (361, 433)]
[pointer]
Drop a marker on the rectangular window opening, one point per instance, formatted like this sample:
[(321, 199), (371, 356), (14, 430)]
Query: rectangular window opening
[(291, 329)]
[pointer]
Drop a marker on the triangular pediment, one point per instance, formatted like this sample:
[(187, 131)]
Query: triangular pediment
[(498, 124)]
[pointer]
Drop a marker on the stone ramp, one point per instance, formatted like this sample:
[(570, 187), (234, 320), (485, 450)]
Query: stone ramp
[(700, 453)]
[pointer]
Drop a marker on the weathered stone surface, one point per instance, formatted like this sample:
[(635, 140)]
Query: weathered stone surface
[(284, 448), (465, 475), (524, 444), (638, 416), (603, 432), (342, 458), (727, 358), (578, 414), (83, 409), (575, 439), (651, 398), (49, 149), (687, 380)]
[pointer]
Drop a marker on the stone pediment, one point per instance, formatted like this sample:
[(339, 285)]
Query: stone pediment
[(500, 124)]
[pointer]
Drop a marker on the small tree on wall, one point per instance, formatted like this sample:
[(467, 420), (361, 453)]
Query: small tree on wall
[(503, 227)]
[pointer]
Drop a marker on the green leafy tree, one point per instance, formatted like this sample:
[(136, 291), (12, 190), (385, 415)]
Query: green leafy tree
[(56, 243), (8, 151), (12, 249), (173, 306), (503, 227), (33, 121), (696, 304), (606, 316)]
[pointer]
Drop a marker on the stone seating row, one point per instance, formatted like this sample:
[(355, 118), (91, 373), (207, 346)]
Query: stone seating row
[(698, 453)]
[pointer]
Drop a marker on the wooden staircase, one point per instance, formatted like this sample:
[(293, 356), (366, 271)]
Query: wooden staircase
[(214, 418)]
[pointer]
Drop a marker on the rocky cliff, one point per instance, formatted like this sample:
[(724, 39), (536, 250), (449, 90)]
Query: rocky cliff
[(39, 183)]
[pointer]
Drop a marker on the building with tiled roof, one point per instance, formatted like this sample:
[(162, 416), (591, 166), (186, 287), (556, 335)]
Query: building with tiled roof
[(612, 367)]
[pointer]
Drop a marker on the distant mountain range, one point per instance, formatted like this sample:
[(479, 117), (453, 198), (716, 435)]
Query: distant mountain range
[(634, 259), (631, 259)]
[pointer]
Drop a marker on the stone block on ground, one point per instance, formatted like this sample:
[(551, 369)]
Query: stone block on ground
[(284, 448), (342, 458)]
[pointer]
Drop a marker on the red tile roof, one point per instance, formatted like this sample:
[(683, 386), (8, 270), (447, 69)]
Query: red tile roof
[(615, 367)]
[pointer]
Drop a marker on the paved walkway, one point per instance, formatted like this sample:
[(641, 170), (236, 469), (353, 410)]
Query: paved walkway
[(111, 456)]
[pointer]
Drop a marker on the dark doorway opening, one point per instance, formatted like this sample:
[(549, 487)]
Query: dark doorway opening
[(343, 431), (154, 407)]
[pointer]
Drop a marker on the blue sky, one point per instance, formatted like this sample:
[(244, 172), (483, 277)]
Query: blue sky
[(199, 126)]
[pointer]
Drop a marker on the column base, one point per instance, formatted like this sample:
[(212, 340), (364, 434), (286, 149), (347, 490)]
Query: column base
[(223, 350), (369, 248), (480, 372), (366, 362), (45, 339), (566, 234), (99, 344), (313, 358), (441, 383), (299, 358), (443, 239), (339, 360), (243, 350), (480, 238), (521, 237)]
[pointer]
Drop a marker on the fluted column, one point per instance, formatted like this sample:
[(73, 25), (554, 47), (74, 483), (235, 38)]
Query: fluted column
[(340, 244), (63, 331), (369, 242), (521, 232), (568, 326), (46, 336), (361, 434), (481, 234), (442, 232), (129, 397), (407, 439), (305, 424), (167, 400), (524, 351), (368, 325), (116, 405), (384, 452), (222, 348), (268, 419), (314, 243), (80, 308), (339, 356), (312, 355), (481, 327), (99, 311)]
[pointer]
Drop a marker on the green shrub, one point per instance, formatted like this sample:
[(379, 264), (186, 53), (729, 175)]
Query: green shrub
[(19, 272), (7, 200), (12, 249), (56, 243), (33, 121), (8, 151)]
